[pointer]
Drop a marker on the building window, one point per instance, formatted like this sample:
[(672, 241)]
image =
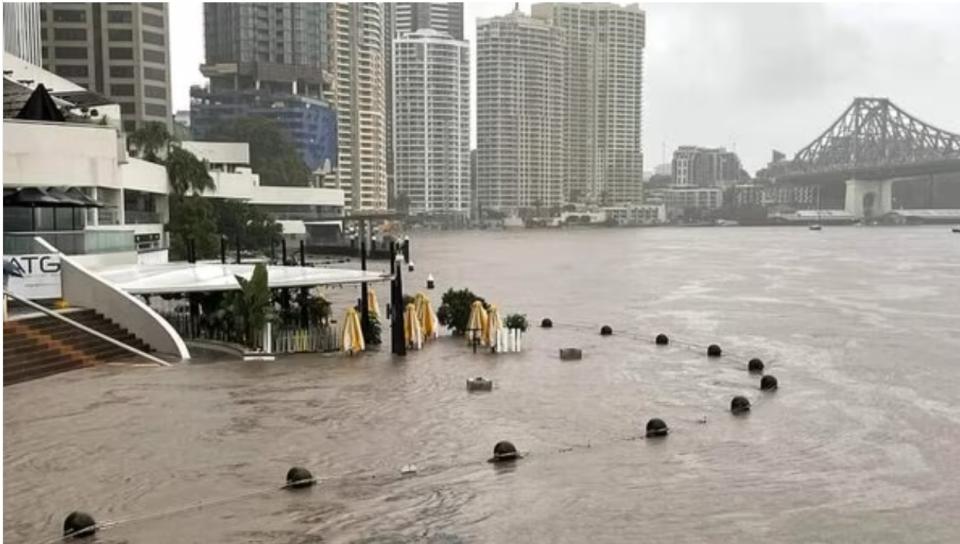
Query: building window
[(154, 92), (67, 70), (153, 38), (119, 17), (121, 71), (152, 20), (120, 35), (69, 16), (121, 53), (70, 34), (128, 107), (156, 74), (154, 56), (155, 110), (70, 52), (121, 90)]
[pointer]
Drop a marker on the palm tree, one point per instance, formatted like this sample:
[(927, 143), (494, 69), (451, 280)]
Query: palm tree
[(151, 142), (187, 173), (251, 305)]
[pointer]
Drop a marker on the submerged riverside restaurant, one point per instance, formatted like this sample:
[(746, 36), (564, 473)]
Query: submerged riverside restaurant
[(86, 272)]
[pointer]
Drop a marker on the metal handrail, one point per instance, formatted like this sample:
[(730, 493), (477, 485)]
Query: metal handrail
[(86, 329)]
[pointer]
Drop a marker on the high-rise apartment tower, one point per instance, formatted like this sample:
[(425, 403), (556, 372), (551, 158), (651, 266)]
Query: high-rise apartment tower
[(603, 87), (520, 113)]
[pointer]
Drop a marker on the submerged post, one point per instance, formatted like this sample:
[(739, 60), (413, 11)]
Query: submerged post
[(238, 248), (365, 324), (304, 292), (396, 325), (283, 250), (223, 249)]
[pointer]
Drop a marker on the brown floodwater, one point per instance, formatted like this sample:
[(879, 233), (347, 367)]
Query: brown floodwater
[(860, 325)]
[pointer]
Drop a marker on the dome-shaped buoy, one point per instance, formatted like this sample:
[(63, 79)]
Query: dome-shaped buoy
[(430, 282), (546, 323), (410, 266), (662, 340), (755, 366), (504, 451), (656, 427), (79, 524), (606, 330), (714, 350), (299, 477), (768, 383), (739, 405)]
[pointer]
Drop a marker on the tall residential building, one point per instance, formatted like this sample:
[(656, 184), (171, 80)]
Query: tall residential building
[(270, 60), (520, 113), (603, 86), (704, 167), (118, 50), (359, 93), (403, 18), (431, 122), (21, 30)]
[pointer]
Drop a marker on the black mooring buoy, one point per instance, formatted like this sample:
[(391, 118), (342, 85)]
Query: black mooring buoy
[(546, 323), (662, 340), (656, 427), (606, 330), (714, 350), (755, 365), (739, 405), (299, 477), (768, 383), (79, 524), (504, 451)]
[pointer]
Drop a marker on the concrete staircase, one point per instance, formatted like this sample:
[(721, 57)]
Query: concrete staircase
[(35, 347)]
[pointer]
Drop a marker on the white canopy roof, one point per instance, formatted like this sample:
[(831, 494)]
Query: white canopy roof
[(186, 278)]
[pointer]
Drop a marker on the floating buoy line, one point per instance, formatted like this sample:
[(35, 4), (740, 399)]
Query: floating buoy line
[(79, 524)]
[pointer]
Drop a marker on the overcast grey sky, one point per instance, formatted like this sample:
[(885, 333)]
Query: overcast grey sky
[(751, 76)]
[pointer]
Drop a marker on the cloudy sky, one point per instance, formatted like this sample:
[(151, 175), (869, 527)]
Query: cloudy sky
[(753, 77)]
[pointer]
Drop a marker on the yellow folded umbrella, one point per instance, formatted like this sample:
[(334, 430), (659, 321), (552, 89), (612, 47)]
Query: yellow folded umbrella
[(411, 327), (352, 341), (493, 325), (372, 306), (477, 324), (428, 318)]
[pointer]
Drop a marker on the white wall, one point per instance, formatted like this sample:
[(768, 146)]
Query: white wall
[(63, 154), (143, 176), (311, 196), (219, 152)]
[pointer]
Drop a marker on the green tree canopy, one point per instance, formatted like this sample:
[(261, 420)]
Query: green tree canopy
[(272, 152), (151, 142), (186, 172), (255, 229), (191, 218)]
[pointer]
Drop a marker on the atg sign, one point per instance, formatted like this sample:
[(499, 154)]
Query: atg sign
[(41, 276)]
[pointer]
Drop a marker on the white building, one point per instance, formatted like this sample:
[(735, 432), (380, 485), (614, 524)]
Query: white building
[(679, 200), (295, 208), (603, 98), (360, 97), (88, 152), (520, 105), (431, 122), (640, 214)]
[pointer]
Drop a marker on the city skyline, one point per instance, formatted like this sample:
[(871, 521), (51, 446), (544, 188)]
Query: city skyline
[(802, 79)]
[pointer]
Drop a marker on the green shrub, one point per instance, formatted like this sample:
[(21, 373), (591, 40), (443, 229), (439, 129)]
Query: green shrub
[(454, 311), (516, 321)]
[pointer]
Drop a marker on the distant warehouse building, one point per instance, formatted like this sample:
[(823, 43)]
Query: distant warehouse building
[(682, 201)]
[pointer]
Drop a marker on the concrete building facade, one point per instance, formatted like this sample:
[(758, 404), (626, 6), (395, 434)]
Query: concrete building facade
[(359, 93), (21, 30), (431, 122), (520, 113), (118, 50), (705, 167), (603, 87), (270, 60)]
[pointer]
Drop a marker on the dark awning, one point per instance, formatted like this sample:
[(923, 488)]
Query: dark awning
[(40, 107), (38, 197)]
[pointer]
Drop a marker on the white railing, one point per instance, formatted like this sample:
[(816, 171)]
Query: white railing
[(86, 329)]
